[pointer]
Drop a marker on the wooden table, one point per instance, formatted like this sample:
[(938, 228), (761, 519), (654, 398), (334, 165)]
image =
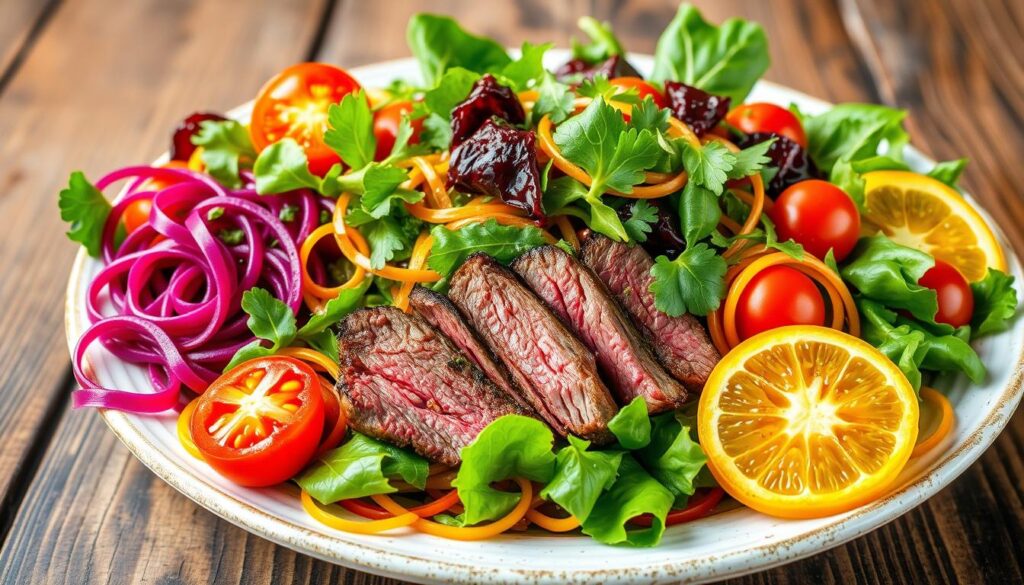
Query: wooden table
[(97, 84)]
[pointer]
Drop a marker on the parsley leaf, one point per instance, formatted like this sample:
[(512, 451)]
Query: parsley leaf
[(646, 115), (503, 242), (282, 167), (437, 132), (642, 215), (386, 238), (995, 303), (600, 87), (226, 146), (692, 283), (86, 209), (708, 166), (378, 184), (554, 99), (528, 68), (350, 132), (269, 318), (751, 160)]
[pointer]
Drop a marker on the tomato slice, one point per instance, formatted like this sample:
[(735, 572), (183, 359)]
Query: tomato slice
[(260, 423), (294, 105), (643, 89), (385, 127)]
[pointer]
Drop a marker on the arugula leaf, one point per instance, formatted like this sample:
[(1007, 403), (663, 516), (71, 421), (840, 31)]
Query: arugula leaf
[(692, 283), (283, 167), (888, 272), (949, 171), (580, 477), (86, 209), (634, 493), (646, 115), (673, 456), (853, 132), (451, 88), (439, 43), (631, 425), (511, 446), (699, 213), (642, 215), (350, 131), (361, 467), (603, 43), (528, 68), (326, 342), (708, 166), (226, 146), (995, 303), (726, 60), (554, 99), (504, 243)]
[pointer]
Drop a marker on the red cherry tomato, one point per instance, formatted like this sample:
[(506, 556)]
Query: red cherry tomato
[(643, 89), (385, 127), (956, 300), (136, 214), (260, 423), (294, 105), (778, 296), (761, 117), (819, 216)]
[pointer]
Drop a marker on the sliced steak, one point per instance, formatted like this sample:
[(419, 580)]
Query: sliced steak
[(444, 316), (555, 371), (403, 382), (579, 298), (681, 343)]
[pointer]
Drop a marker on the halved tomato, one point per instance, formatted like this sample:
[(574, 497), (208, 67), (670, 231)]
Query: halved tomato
[(294, 105), (260, 423)]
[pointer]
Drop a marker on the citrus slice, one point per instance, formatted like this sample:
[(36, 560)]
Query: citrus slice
[(937, 419), (805, 421), (924, 213)]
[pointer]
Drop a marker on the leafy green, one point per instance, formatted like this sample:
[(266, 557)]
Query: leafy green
[(554, 99), (283, 167), (361, 467), (642, 215), (699, 213), (766, 235), (631, 425), (350, 131), (646, 115), (847, 175), (995, 303), (561, 192), (692, 283), (388, 237), (580, 477), (709, 165), (601, 87), (673, 456), (855, 131), (751, 160), (379, 184), (511, 446), (451, 88), (86, 209), (528, 68), (726, 60), (949, 171), (603, 43), (269, 318), (226, 146), (439, 43), (436, 133), (888, 273), (634, 493), (504, 243)]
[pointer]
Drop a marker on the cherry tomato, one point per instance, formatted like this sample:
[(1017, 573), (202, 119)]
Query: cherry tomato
[(761, 117), (260, 423), (385, 127), (136, 214), (956, 300), (778, 296), (819, 216), (294, 105), (643, 88)]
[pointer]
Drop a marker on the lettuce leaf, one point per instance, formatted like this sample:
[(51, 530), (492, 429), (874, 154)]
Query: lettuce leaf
[(361, 467), (849, 132), (581, 476), (439, 43), (887, 272), (631, 425), (995, 303), (634, 493), (673, 456)]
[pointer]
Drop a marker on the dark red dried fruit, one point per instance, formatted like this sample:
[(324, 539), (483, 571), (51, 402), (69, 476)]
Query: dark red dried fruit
[(789, 157), (181, 141), (576, 70), (700, 110), (665, 237), (500, 161), (487, 99)]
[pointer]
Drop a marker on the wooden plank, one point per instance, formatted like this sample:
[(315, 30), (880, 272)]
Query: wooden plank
[(102, 87), (22, 20)]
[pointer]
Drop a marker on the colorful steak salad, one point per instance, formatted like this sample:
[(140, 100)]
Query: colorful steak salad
[(506, 296)]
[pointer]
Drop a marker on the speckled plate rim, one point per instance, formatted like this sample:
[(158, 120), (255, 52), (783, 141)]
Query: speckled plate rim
[(393, 562)]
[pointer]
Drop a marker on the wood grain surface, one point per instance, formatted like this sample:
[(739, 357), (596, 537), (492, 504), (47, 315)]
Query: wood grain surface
[(97, 84)]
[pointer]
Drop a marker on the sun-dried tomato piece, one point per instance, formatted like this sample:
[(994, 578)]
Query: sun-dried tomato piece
[(576, 70), (789, 157), (500, 161), (700, 110), (487, 99)]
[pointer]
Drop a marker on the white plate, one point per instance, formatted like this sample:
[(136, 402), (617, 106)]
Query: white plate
[(730, 543)]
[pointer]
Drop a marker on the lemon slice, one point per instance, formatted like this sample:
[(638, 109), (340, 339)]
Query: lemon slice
[(924, 213), (805, 421)]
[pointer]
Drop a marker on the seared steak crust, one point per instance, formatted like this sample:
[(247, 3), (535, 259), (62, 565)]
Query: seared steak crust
[(556, 372), (681, 343), (403, 382), (579, 298)]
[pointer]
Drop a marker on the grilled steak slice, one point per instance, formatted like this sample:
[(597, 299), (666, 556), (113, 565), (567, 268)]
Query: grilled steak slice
[(555, 371), (681, 343), (579, 298), (444, 316), (403, 382)]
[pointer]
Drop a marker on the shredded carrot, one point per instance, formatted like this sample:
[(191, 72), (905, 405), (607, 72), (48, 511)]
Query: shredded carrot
[(437, 195), (418, 259), (318, 360), (550, 523), (568, 234), (359, 527), (311, 287), (467, 532), (449, 214), (184, 428), (942, 428)]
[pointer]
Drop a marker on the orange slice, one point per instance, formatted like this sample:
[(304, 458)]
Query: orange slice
[(923, 213), (805, 421), (937, 419)]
